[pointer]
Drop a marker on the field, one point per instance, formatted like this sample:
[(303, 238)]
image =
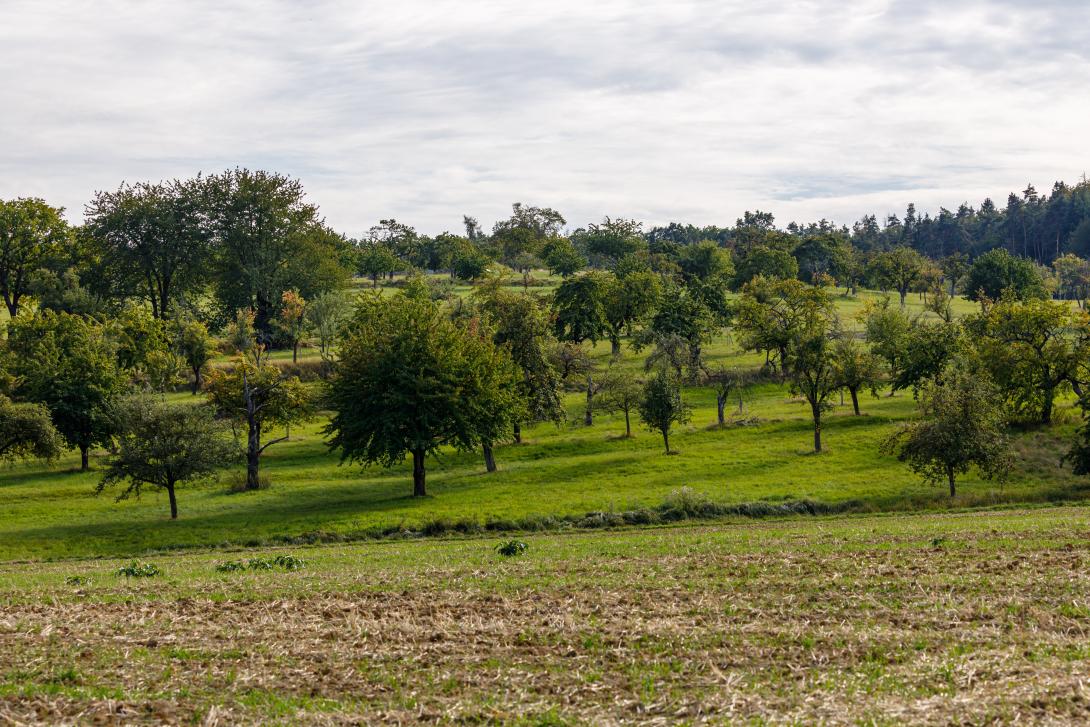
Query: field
[(940, 618), (51, 512)]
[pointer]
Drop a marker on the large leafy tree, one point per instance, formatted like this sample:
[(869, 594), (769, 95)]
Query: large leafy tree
[(410, 380), (772, 313), (161, 445), (886, 329), (257, 395), (765, 261), (579, 305), (1033, 349), (678, 330), (997, 271), (612, 239), (157, 236), (69, 364), (30, 232), (961, 424), (269, 239), (629, 300), (521, 324), (900, 269), (522, 236)]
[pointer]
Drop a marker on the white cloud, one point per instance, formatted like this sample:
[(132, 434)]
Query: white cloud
[(424, 110)]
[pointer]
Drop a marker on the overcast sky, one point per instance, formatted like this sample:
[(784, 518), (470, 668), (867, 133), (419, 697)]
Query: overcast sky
[(426, 110)]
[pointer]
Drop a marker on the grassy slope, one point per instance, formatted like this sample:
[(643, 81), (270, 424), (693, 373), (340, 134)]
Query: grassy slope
[(51, 512), (972, 618)]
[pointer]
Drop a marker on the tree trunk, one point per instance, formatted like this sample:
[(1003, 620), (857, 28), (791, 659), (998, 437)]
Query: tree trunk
[(83, 458), (666, 439), (418, 473), (295, 352), (817, 426), (950, 477), (720, 405), (253, 456), (615, 346), (904, 294), (1046, 404), (489, 458), (518, 433), (588, 416), (196, 380), (173, 502), (855, 400), (627, 424)]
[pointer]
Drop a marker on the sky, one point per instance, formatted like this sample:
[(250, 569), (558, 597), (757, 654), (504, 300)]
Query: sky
[(426, 110)]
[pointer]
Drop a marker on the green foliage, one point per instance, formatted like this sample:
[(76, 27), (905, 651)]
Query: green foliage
[(325, 316), (629, 301), (821, 254), (961, 424), (562, 257), (1078, 456), (292, 320), (525, 232), (511, 548), (997, 271), (411, 380), (139, 570), (855, 368), (680, 327), (812, 364), (612, 240), (661, 406), (619, 391), (161, 445), (579, 306), (766, 262), (900, 269), (927, 348), (26, 431), (230, 566), (773, 313), (31, 231), (1033, 349), (195, 345), (68, 363), (886, 329), (706, 261)]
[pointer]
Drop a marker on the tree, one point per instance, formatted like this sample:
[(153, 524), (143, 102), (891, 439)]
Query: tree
[(525, 232), (928, 348), (579, 305), (325, 315), (561, 257), (69, 364), (30, 231), (705, 261), (961, 424), (899, 269), (724, 382), (682, 324), (195, 345), (521, 325), (855, 368), (620, 391), (292, 320), (469, 264), (410, 380), (376, 260), (997, 271), (255, 393), (810, 359), (1033, 349), (162, 446), (771, 313), (660, 405), (269, 239), (767, 262), (612, 240), (1074, 276), (820, 253), (886, 330), (954, 267), (155, 234), (26, 431), (629, 300)]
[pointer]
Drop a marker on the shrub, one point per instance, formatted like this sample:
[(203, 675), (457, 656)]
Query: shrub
[(289, 562), (230, 566), (138, 570), (511, 548), (77, 581)]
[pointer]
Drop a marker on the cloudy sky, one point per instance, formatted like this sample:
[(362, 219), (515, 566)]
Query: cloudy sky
[(426, 110)]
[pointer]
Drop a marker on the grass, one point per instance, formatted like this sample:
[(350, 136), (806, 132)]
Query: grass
[(51, 512), (927, 619)]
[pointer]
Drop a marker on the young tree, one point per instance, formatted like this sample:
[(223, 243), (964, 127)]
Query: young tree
[(886, 329), (813, 373), (410, 380), (954, 267), (26, 431), (292, 320), (69, 364), (162, 445), (620, 391), (255, 393), (899, 269), (725, 382), (325, 316), (961, 424), (30, 231), (855, 368), (195, 345), (660, 405), (1074, 276)]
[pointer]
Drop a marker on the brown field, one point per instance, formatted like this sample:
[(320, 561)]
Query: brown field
[(936, 619)]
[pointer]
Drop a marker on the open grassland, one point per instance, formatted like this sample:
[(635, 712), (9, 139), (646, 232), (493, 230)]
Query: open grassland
[(51, 511), (943, 618)]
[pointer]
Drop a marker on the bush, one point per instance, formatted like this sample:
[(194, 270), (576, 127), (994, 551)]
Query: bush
[(511, 548), (230, 566), (137, 570), (77, 581)]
